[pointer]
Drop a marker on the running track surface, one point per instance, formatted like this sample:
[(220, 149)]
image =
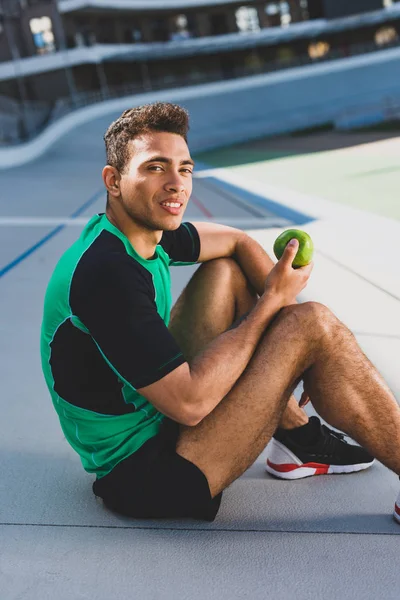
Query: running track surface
[(330, 537)]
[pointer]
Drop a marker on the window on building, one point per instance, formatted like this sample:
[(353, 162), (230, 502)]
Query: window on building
[(160, 31), (253, 62), (84, 34), (318, 49), (286, 17), (285, 54), (42, 33), (105, 31), (181, 29), (386, 35), (247, 19), (280, 10), (218, 24), (79, 39), (133, 35), (272, 9)]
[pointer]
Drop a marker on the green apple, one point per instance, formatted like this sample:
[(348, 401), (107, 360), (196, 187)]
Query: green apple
[(306, 247)]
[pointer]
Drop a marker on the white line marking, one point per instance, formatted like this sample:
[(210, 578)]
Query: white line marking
[(42, 221), (79, 222), (207, 173)]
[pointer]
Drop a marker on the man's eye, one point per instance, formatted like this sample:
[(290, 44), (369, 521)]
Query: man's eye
[(188, 171), (154, 167)]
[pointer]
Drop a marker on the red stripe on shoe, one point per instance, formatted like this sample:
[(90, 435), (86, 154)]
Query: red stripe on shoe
[(322, 470), (397, 509), (287, 467)]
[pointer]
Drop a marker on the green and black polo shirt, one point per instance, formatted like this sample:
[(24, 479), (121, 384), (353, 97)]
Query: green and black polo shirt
[(105, 334)]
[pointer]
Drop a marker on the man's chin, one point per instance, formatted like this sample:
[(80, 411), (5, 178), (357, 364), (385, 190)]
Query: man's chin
[(171, 224)]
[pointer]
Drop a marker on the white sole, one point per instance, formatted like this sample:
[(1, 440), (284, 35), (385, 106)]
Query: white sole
[(301, 472), (283, 464)]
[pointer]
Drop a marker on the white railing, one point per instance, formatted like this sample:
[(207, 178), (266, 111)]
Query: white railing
[(30, 120)]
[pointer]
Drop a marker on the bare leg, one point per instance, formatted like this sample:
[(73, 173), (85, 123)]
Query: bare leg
[(217, 295), (368, 411), (345, 388)]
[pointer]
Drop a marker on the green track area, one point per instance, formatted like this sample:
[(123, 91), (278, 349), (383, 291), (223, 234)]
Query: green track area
[(360, 170)]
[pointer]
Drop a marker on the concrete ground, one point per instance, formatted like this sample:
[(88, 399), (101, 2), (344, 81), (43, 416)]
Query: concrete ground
[(323, 537), (358, 169)]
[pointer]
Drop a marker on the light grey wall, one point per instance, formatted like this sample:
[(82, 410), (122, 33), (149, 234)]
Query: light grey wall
[(295, 99)]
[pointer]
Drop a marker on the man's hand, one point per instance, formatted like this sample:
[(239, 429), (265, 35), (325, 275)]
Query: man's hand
[(283, 280)]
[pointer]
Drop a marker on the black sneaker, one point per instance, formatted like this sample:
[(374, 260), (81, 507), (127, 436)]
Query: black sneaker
[(329, 454)]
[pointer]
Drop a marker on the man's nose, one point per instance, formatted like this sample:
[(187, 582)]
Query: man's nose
[(175, 184)]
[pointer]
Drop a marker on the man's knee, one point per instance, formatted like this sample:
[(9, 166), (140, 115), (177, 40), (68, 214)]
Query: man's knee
[(313, 318), (227, 270)]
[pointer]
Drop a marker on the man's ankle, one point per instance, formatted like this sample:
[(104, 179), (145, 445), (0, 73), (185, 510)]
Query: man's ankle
[(293, 416), (292, 421)]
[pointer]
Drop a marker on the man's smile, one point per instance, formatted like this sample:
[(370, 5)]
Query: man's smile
[(172, 205)]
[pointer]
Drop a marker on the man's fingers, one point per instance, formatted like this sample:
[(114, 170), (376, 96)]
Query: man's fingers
[(292, 246), (305, 399)]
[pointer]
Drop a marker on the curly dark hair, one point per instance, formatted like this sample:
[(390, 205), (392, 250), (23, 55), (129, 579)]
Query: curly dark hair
[(160, 116)]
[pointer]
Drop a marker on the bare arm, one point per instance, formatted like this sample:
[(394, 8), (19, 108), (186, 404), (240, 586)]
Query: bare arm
[(191, 392), (223, 241), (253, 260), (215, 370)]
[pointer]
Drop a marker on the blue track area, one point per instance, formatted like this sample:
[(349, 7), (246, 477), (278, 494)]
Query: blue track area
[(279, 210), (49, 235), (324, 537), (212, 199)]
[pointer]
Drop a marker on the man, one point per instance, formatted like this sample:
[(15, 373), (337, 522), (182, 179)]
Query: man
[(168, 417)]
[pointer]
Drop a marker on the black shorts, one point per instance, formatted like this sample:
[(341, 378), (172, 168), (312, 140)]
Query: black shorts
[(156, 482)]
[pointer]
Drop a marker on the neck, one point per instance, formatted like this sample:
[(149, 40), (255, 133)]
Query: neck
[(143, 240)]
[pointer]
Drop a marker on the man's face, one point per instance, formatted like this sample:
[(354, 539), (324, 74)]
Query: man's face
[(157, 181)]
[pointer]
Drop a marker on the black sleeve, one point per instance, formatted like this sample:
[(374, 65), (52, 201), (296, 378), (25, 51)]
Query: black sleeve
[(182, 245), (114, 299)]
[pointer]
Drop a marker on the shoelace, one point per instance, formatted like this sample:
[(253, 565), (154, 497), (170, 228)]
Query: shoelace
[(331, 438)]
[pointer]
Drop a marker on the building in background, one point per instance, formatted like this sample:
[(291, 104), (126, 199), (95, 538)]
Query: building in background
[(334, 9), (57, 54)]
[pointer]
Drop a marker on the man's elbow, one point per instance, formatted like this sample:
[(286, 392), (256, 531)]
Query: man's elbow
[(192, 414), (193, 421)]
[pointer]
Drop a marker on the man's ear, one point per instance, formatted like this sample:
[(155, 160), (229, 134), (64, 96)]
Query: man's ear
[(112, 179)]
